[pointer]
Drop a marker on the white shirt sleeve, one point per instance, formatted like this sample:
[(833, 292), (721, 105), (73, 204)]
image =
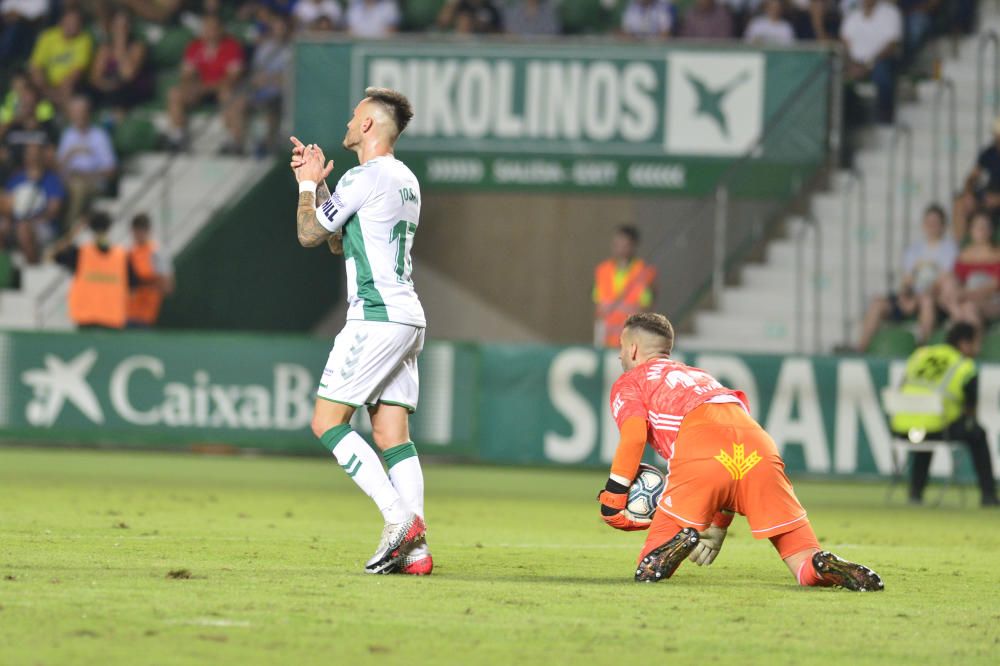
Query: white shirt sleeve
[(353, 189), (894, 27)]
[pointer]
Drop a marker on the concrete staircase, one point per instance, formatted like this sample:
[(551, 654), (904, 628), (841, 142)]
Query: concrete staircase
[(180, 193), (813, 301)]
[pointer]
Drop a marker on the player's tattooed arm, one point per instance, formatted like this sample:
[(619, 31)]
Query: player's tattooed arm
[(311, 232), (336, 240), (322, 193)]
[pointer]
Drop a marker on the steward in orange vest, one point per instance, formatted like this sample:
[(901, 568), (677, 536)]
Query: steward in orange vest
[(144, 257), (623, 286), (98, 295)]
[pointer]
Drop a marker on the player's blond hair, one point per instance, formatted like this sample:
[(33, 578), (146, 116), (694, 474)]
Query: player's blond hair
[(653, 323), (395, 104)]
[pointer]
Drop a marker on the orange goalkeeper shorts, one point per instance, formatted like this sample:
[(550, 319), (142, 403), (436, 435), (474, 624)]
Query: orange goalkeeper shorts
[(723, 459)]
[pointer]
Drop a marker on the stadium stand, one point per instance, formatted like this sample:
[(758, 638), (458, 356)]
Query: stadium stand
[(182, 191), (901, 168)]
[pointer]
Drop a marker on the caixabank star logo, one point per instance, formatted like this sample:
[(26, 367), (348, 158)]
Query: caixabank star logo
[(714, 103), (60, 382)]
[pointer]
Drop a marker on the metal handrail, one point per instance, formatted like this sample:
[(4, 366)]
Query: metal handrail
[(800, 285), (719, 258), (736, 169), (944, 86), (903, 187), (986, 38), (855, 187)]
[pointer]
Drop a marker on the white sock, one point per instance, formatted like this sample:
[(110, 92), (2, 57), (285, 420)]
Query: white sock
[(408, 478), (362, 464)]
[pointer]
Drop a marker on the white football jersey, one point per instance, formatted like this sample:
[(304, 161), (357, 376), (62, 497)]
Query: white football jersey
[(377, 205)]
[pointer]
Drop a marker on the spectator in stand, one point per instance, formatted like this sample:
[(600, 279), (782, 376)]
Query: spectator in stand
[(308, 12), (99, 291), (532, 17), (97, 13), (271, 60), (972, 293), (648, 18), (925, 263), (707, 19), (30, 207), (815, 19), (86, 158), (61, 57), (154, 11), (20, 88), (153, 273), (770, 28), (871, 33), (470, 17), (31, 124), (324, 24), (741, 11), (982, 186), (121, 76), (372, 19), (212, 67), (261, 9), (21, 21), (917, 17)]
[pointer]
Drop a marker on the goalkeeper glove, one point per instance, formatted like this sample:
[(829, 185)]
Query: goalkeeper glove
[(710, 541), (613, 499)]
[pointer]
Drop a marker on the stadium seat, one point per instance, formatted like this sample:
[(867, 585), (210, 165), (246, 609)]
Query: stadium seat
[(6, 270), (938, 336), (991, 346), (419, 15), (168, 51), (134, 134), (583, 16), (894, 341)]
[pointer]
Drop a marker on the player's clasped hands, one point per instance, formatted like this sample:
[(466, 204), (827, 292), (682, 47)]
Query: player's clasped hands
[(308, 161)]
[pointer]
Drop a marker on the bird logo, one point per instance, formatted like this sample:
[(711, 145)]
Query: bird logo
[(710, 101)]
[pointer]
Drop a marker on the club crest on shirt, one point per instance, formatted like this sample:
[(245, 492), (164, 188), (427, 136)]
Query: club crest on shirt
[(738, 464)]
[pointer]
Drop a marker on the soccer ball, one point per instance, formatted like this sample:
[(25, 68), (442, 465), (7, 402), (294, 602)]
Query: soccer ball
[(645, 491)]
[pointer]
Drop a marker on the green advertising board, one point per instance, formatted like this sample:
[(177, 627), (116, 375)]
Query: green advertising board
[(596, 117), (506, 404)]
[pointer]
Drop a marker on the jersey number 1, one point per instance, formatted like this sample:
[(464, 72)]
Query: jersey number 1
[(403, 233)]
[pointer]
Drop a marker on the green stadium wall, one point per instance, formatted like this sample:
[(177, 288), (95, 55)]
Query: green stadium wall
[(236, 273), (503, 404), (580, 116)]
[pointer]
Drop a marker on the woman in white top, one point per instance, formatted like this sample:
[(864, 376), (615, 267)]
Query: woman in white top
[(770, 27)]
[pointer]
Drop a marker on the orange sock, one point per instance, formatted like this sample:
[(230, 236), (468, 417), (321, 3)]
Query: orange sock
[(661, 531), (808, 577), (800, 539)]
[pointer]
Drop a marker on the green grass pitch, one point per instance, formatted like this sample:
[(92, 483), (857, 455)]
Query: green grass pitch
[(526, 573)]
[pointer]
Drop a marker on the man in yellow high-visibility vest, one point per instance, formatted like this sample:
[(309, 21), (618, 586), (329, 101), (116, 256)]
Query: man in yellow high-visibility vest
[(948, 370)]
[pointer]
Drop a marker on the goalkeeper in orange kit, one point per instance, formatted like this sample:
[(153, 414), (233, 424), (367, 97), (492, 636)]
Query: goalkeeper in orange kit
[(719, 462)]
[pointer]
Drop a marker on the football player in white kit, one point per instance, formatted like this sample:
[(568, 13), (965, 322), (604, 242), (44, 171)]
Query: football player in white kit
[(371, 218)]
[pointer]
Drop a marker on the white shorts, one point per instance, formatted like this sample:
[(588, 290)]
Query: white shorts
[(373, 362)]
